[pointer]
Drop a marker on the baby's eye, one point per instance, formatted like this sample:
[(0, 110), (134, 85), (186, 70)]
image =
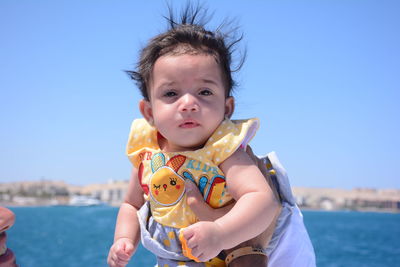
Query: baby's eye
[(170, 94), (205, 92)]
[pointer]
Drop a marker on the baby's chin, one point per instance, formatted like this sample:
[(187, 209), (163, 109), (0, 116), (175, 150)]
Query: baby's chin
[(184, 146)]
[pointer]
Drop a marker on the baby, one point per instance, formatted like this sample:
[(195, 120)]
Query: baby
[(187, 139)]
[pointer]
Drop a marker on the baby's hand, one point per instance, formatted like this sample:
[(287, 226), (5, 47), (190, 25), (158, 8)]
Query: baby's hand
[(204, 239), (120, 252)]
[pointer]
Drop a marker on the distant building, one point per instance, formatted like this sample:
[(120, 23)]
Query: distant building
[(112, 192), (362, 199)]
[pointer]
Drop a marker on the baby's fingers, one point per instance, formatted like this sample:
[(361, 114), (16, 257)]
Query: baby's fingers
[(115, 261), (122, 255), (197, 249), (129, 248), (186, 249), (202, 255), (188, 232)]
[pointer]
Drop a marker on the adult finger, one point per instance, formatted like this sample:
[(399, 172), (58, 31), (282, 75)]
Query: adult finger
[(196, 202), (202, 210)]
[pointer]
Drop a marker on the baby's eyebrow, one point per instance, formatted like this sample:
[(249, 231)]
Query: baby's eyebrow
[(167, 83), (209, 81)]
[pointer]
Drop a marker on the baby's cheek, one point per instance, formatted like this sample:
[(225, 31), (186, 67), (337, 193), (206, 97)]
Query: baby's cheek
[(178, 187)]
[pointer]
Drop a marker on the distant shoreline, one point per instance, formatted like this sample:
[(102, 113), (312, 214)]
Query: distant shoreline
[(306, 209), (349, 210), (55, 193)]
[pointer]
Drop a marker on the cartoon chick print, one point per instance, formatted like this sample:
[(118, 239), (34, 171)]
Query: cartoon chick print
[(167, 187)]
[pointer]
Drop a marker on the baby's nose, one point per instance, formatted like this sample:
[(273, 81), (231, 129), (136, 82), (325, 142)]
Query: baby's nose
[(189, 103)]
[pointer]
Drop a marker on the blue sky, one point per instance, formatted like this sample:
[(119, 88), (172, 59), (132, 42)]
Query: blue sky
[(322, 76)]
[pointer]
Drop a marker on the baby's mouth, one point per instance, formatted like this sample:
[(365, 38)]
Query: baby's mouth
[(189, 124)]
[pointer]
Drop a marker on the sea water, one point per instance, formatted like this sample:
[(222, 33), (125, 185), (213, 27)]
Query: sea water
[(354, 238), (81, 236)]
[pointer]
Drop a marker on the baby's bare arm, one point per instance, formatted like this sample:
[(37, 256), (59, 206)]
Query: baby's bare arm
[(206, 213), (127, 232), (256, 205), (249, 217)]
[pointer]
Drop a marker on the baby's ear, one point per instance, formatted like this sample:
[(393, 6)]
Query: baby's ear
[(229, 106), (146, 110)]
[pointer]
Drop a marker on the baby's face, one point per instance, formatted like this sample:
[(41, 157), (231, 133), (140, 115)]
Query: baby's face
[(187, 100)]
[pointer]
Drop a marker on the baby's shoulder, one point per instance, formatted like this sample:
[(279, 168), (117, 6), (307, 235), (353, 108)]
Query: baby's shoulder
[(237, 158)]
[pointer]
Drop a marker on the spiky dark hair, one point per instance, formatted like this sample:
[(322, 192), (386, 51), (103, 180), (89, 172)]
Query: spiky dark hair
[(188, 35)]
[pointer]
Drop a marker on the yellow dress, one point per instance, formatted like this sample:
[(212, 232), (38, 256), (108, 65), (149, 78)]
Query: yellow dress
[(162, 175)]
